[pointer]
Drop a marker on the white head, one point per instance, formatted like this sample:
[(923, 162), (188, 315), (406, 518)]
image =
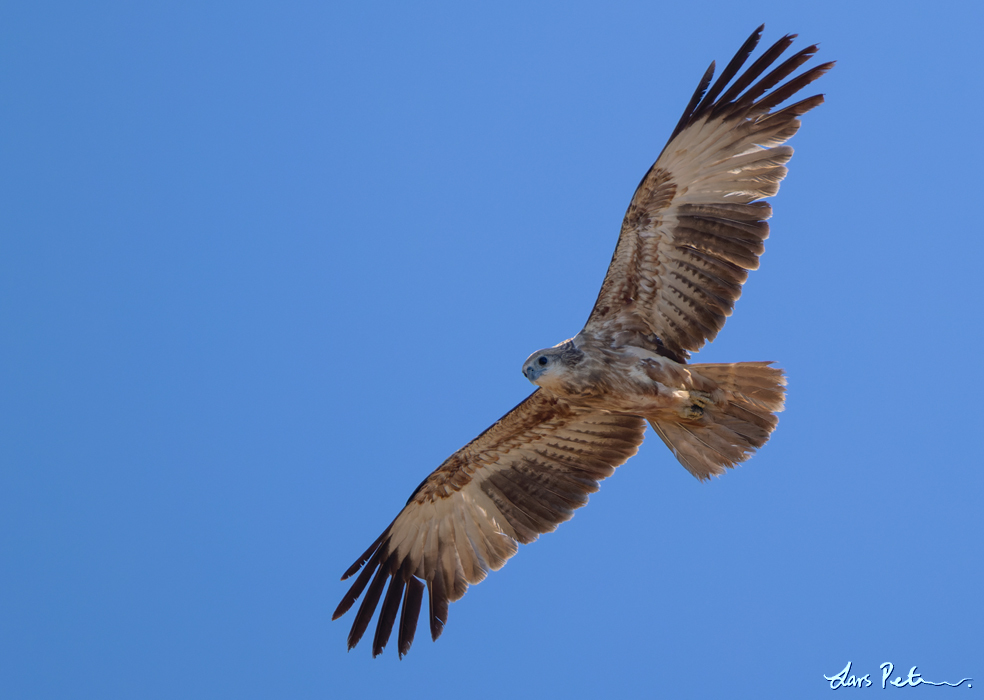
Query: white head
[(549, 367)]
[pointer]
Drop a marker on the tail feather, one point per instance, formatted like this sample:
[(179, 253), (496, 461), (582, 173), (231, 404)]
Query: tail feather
[(738, 419)]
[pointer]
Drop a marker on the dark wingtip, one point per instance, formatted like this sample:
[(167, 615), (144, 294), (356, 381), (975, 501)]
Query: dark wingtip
[(355, 590), (412, 599), (705, 81), (387, 613), (368, 607), (438, 605), (365, 556)]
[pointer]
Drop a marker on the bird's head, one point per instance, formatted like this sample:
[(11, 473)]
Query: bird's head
[(549, 366)]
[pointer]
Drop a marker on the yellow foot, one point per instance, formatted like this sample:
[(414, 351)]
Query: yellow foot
[(694, 410)]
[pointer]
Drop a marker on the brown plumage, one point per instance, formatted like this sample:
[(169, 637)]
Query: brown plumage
[(694, 228)]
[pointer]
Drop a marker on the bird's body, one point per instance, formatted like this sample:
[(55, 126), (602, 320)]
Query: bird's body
[(716, 414), (591, 372), (694, 228)]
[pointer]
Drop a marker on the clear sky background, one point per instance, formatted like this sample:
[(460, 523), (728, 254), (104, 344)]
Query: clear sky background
[(265, 265)]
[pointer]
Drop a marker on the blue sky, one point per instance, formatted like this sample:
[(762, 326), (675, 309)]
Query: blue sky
[(265, 265)]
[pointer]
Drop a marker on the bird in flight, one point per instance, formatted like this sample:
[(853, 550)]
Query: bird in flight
[(694, 228)]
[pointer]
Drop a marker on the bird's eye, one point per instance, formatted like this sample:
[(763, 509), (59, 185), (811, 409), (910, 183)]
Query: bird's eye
[(542, 361)]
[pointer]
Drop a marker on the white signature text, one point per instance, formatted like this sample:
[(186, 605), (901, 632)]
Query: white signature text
[(846, 679)]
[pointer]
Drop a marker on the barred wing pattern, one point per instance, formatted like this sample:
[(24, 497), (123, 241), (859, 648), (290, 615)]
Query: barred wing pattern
[(695, 226), (523, 476)]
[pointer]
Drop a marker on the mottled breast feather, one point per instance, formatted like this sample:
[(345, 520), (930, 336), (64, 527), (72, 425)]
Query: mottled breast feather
[(696, 225)]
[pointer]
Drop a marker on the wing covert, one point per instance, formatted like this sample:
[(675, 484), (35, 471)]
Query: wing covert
[(523, 476), (696, 224)]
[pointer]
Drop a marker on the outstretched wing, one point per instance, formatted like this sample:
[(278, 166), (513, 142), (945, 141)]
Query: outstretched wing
[(523, 476), (695, 226)]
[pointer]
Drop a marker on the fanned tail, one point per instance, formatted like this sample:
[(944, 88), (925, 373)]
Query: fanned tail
[(738, 419)]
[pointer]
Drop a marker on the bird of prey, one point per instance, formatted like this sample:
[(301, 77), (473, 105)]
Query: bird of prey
[(694, 228)]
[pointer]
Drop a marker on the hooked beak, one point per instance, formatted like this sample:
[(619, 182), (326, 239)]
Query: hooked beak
[(532, 373)]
